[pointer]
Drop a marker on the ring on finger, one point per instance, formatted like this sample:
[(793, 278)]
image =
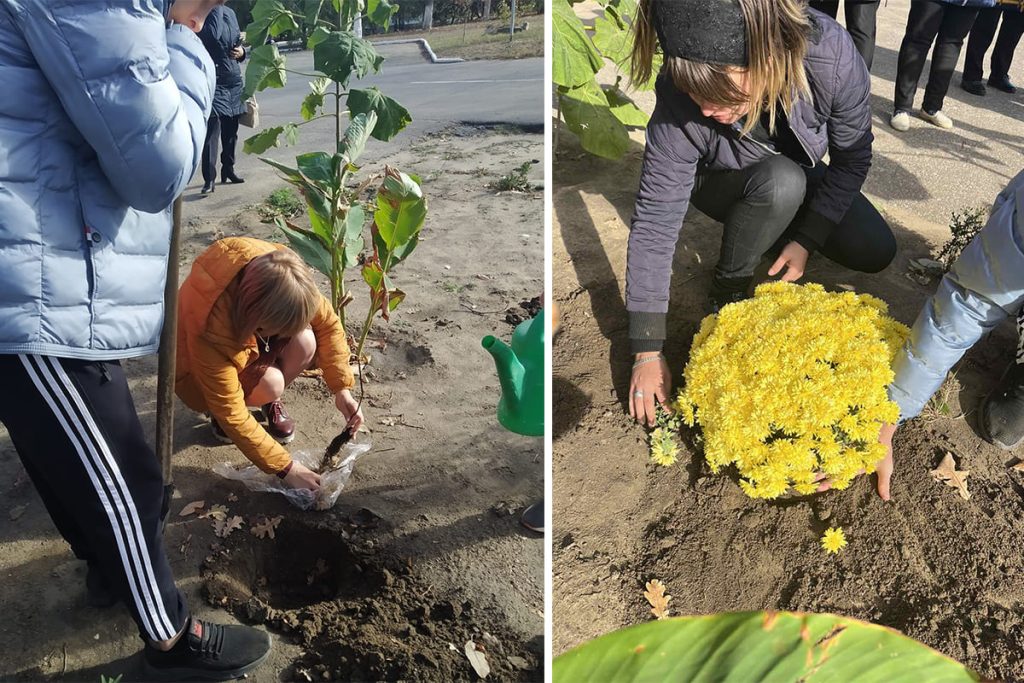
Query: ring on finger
[(638, 394)]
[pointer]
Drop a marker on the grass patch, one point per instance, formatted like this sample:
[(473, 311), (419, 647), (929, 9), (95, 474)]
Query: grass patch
[(473, 42), (282, 202), (516, 181), (941, 404)]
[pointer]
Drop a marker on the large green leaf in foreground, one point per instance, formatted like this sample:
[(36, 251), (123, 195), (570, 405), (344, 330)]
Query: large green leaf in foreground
[(748, 647)]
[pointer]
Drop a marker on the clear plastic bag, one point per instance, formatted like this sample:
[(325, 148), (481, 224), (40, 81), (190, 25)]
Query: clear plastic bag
[(331, 483)]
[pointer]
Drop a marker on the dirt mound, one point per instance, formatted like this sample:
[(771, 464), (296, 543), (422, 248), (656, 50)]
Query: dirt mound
[(360, 612)]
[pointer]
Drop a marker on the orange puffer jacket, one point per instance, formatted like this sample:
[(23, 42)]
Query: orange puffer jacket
[(210, 357)]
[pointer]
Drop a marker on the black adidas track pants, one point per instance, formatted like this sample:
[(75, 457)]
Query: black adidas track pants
[(74, 426)]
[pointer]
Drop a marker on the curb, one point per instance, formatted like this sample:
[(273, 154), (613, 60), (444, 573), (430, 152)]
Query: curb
[(426, 48)]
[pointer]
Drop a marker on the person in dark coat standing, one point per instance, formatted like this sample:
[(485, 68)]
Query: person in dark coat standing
[(1012, 14), (861, 22), (223, 40)]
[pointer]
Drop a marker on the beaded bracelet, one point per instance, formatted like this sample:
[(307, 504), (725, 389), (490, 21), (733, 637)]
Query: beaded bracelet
[(644, 361)]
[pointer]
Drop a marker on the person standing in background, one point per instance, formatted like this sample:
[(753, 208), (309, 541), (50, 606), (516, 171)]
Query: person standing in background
[(1012, 13), (860, 17), (223, 40), (945, 23)]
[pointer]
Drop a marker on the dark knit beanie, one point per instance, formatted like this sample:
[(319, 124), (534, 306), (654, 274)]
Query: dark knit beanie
[(711, 31)]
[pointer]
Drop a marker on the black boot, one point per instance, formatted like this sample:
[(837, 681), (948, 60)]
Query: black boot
[(727, 290), (97, 592), (974, 87), (208, 651), (533, 517), (1002, 412), (209, 186), (228, 176), (1003, 84)]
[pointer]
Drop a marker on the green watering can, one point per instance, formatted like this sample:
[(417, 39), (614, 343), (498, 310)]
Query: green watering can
[(521, 371)]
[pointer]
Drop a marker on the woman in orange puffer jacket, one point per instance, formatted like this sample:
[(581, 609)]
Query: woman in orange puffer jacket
[(250, 319)]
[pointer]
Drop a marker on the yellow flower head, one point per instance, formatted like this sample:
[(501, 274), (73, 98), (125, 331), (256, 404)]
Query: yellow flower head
[(663, 447), (789, 384), (834, 540)]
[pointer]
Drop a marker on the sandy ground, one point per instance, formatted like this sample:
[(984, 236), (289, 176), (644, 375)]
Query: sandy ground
[(943, 570), (424, 548)]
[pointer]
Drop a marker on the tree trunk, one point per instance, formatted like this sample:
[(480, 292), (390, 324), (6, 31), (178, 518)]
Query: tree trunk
[(487, 10), (428, 15)]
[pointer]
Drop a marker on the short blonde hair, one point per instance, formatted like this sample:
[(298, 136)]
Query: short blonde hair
[(276, 294), (777, 36)]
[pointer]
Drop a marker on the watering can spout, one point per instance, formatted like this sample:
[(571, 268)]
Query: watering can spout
[(510, 370)]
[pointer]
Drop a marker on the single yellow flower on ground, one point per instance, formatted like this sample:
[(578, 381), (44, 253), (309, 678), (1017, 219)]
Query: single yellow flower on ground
[(834, 540)]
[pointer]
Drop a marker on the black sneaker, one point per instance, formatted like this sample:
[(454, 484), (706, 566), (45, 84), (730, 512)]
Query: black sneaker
[(533, 517), (974, 87), (97, 593), (208, 652), (1003, 84), (725, 291), (1002, 411), (218, 432)]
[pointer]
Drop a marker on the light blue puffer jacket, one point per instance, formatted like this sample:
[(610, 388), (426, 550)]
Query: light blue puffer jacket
[(984, 286), (103, 114)]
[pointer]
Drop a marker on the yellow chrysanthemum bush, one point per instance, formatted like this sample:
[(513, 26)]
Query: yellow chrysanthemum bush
[(792, 384)]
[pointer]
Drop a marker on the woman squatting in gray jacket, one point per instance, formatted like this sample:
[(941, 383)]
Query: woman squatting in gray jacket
[(752, 95)]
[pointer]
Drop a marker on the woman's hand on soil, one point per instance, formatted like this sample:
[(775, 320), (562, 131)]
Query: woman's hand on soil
[(651, 380), (349, 407), (301, 477), (794, 259), (884, 467)]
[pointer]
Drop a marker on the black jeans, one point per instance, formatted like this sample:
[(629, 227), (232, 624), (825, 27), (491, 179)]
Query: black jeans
[(74, 426), (947, 26), (760, 205), (225, 127), (860, 18), (981, 38)]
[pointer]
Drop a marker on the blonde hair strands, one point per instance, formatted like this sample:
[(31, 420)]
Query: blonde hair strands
[(776, 34), (276, 293)]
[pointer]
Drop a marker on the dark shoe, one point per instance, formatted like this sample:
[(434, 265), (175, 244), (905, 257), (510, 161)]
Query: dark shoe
[(533, 517), (97, 592), (218, 433), (209, 652), (974, 87), (1002, 411), (726, 291), (279, 425), (1003, 84), (230, 177), (209, 186)]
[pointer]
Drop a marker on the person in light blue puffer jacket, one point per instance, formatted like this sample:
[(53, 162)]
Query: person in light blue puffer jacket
[(102, 122), (984, 286)]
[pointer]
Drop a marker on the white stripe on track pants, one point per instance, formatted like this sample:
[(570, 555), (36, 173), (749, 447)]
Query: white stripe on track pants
[(76, 431)]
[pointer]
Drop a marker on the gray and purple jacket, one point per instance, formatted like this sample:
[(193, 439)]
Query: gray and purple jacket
[(682, 142)]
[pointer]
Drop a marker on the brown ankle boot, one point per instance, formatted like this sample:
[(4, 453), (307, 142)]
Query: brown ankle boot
[(279, 425)]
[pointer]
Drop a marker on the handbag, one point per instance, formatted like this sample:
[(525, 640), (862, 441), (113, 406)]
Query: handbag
[(251, 117)]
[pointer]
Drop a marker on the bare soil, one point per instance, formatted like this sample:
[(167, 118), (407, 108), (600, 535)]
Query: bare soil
[(423, 551), (944, 570)]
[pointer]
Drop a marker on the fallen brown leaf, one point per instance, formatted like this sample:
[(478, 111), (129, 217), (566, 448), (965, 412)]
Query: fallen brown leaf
[(265, 527), (216, 512), (657, 598), (1019, 466), (948, 473), (224, 527), (191, 508)]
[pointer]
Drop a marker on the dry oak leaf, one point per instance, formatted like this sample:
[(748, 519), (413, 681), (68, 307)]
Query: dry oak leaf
[(265, 527), (657, 598), (194, 506), (216, 512), (948, 473), (477, 659), (224, 527), (1019, 466)]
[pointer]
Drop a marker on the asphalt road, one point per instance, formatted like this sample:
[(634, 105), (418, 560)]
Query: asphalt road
[(436, 95)]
